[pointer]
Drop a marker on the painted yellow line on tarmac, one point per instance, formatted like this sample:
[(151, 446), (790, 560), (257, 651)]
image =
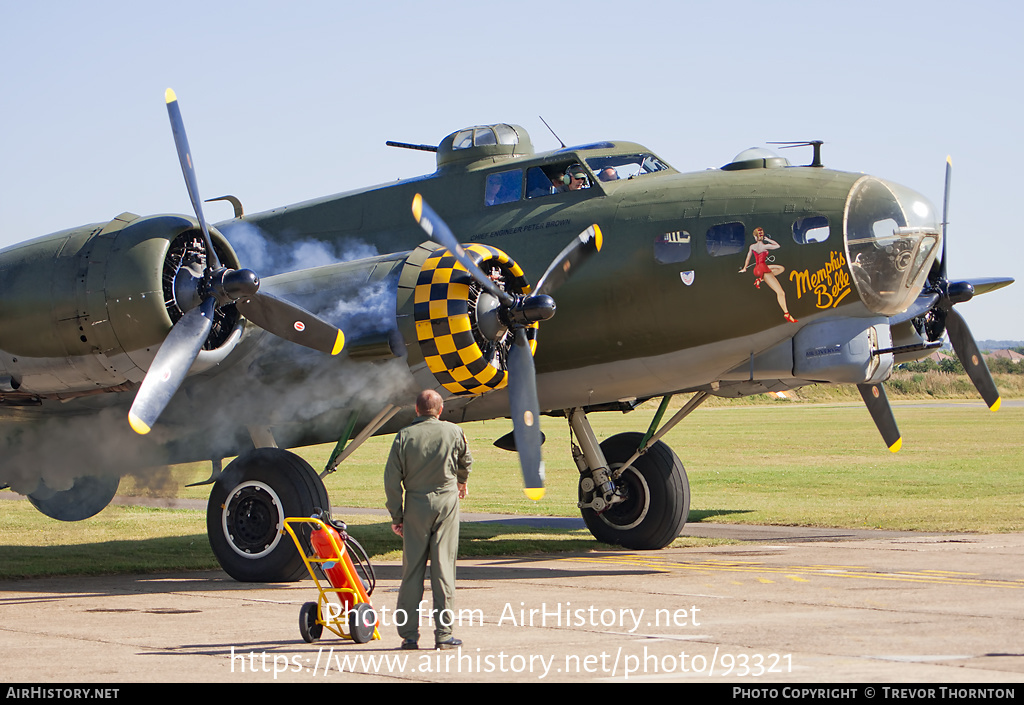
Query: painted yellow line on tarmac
[(928, 577)]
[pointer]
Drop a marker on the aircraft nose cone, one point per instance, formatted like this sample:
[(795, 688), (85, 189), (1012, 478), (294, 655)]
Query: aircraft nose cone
[(892, 235)]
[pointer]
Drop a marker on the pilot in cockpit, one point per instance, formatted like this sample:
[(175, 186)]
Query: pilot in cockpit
[(575, 178)]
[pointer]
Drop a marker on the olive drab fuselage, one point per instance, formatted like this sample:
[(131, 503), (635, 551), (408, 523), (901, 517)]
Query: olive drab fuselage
[(664, 307), (586, 279)]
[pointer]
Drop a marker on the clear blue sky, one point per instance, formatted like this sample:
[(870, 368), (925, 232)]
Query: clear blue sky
[(290, 101)]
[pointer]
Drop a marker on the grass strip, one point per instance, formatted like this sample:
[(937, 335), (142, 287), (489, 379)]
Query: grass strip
[(782, 463)]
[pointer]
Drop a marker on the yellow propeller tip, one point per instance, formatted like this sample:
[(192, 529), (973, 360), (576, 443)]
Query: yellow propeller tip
[(996, 404), (138, 425), (339, 343), (534, 493), (598, 236), (417, 207), (895, 447), (169, 95)]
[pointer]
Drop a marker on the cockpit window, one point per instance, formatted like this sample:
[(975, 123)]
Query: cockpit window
[(503, 187), (560, 177), (537, 183), (627, 166)]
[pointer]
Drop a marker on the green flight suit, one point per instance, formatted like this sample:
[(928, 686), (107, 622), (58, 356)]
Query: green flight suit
[(428, 457)]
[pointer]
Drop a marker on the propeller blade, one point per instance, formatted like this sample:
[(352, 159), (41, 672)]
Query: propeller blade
[(189, 171), (220, 286), (945, 214), (438, 230), (985, 285), (522, 396), (878, 406), (171, 364), (967, 350), (575, 253), (291, 322)]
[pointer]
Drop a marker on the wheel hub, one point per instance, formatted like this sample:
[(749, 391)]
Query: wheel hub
[(252, 519), (633, 504)]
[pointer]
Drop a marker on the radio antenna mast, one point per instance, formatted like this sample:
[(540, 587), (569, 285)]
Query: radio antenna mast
[(552, 131)]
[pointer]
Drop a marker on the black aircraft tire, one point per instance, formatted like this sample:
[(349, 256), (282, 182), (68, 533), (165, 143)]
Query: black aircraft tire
[(246, 512), (658, 502)]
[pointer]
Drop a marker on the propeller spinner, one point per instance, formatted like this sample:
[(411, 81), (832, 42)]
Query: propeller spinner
[(515, 313), (217, 286)]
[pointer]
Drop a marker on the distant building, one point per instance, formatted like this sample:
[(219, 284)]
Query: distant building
[(1010, 355), (938, 356)]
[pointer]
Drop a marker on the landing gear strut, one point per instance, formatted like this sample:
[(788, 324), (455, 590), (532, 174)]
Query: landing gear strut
[(643, 505)]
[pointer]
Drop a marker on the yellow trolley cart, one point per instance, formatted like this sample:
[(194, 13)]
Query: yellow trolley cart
[(344, 606)]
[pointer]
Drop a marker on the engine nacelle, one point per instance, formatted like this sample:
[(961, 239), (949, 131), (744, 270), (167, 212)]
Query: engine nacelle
[(84, 310)]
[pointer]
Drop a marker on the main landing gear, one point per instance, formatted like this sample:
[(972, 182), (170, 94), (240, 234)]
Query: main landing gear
[(633, 490)]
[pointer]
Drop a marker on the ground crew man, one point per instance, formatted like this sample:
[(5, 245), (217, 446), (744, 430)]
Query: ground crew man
[(430, 461)]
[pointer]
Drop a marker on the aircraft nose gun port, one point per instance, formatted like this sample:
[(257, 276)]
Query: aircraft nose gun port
[(892, 236)]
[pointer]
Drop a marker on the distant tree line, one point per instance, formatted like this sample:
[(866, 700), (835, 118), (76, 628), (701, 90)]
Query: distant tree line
[(952, 365), (949, 365)]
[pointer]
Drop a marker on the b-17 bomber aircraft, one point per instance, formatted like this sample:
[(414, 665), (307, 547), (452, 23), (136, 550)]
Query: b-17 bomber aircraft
[(145, 340)]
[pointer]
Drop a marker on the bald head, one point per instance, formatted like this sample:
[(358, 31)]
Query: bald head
[(428, 403)]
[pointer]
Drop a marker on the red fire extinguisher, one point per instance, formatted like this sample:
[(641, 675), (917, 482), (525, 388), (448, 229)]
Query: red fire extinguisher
[(332, 543)]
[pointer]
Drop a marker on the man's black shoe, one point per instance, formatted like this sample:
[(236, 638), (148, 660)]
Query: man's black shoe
[(451, 643), (410, 644)]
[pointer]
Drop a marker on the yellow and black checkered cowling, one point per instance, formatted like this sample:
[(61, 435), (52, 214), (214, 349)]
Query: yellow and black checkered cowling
[(445, 315)]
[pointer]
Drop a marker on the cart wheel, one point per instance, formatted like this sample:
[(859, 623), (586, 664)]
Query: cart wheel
[(308, 626), (362, 620)]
